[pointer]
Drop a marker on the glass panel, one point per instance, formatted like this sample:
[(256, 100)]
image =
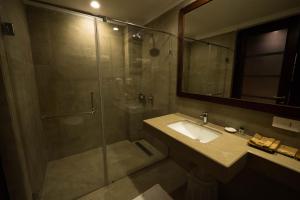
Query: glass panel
[(129, 57), (158, 56), (134, 79), (64, 53)]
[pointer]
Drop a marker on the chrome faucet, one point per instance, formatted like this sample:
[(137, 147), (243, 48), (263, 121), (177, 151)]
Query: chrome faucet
[(142, 98), (204, 116)]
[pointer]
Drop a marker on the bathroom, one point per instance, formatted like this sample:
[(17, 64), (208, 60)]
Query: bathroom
[(122, 100)]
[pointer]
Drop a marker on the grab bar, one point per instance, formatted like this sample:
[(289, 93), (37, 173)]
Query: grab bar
[(69, 114), (91, 112)]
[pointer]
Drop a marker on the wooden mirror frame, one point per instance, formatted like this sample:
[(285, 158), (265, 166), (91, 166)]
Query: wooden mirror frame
[(280, 110)]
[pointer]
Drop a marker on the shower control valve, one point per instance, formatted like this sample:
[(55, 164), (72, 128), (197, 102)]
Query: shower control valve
[(142, 98), (151, 100)]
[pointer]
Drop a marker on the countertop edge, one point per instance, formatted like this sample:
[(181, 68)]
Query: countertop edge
[(228, 165), (248, 150)]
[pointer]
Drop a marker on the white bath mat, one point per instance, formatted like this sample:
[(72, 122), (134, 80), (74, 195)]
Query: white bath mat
[(154, 193)]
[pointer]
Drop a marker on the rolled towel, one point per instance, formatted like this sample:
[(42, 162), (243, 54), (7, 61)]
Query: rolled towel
[(264, 143), (287, 150), (297, 156)]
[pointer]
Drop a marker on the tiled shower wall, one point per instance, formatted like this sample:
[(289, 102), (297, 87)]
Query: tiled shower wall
[(148, 75), (253, 121), (111, 44), (23, 144), (64, 54), (156, 71)]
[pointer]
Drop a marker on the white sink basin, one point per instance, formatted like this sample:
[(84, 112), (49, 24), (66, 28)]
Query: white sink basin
[(194, 131)]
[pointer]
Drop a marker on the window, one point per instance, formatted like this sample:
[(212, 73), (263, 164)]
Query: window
[(266, 63)]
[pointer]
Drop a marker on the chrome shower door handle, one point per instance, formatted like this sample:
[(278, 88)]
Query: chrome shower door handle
[(93, 109)]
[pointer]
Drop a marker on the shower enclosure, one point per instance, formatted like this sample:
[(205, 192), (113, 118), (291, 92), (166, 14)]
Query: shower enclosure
[(97, 81)]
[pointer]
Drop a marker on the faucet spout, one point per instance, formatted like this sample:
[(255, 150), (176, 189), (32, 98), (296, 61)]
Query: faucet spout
[(204, 116)]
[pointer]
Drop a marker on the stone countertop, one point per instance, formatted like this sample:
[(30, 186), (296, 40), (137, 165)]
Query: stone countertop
[(226, 150)]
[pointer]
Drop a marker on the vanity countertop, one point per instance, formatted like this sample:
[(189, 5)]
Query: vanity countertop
[(225, 150)]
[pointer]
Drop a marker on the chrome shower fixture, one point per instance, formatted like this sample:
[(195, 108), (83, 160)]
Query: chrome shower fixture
[(137, 36)]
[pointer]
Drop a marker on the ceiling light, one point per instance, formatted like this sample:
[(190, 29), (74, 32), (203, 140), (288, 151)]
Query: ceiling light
[(115, 28), (95, 4)]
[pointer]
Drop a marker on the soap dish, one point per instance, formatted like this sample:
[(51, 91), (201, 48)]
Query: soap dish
[(230, 130)]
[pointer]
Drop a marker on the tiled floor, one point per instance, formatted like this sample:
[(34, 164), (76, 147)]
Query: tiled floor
[(165, 173), (74, 176)]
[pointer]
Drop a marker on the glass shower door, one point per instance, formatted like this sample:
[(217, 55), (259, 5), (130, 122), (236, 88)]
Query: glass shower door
[(91, 76), (158, 58), (126, 75), (66, 65)]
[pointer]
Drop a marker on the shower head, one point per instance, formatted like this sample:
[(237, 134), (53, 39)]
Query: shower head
[(154, 52)]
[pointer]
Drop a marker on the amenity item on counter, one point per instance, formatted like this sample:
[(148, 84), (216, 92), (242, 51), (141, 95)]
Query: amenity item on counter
[(271, 145), (230, 130), (297, 156), (264, 143), (287, 150), (275, 145)]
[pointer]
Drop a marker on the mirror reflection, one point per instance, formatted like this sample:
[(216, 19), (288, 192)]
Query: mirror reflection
[(248, 54)]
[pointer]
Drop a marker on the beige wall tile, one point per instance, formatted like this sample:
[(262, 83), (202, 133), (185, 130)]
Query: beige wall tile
[(64, 52)]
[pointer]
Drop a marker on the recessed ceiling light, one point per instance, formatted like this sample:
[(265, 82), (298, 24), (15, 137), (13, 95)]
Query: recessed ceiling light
[(95, 4), (115, 28)]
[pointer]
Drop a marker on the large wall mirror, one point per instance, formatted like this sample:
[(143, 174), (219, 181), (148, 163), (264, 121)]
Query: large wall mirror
[(241, 53)]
